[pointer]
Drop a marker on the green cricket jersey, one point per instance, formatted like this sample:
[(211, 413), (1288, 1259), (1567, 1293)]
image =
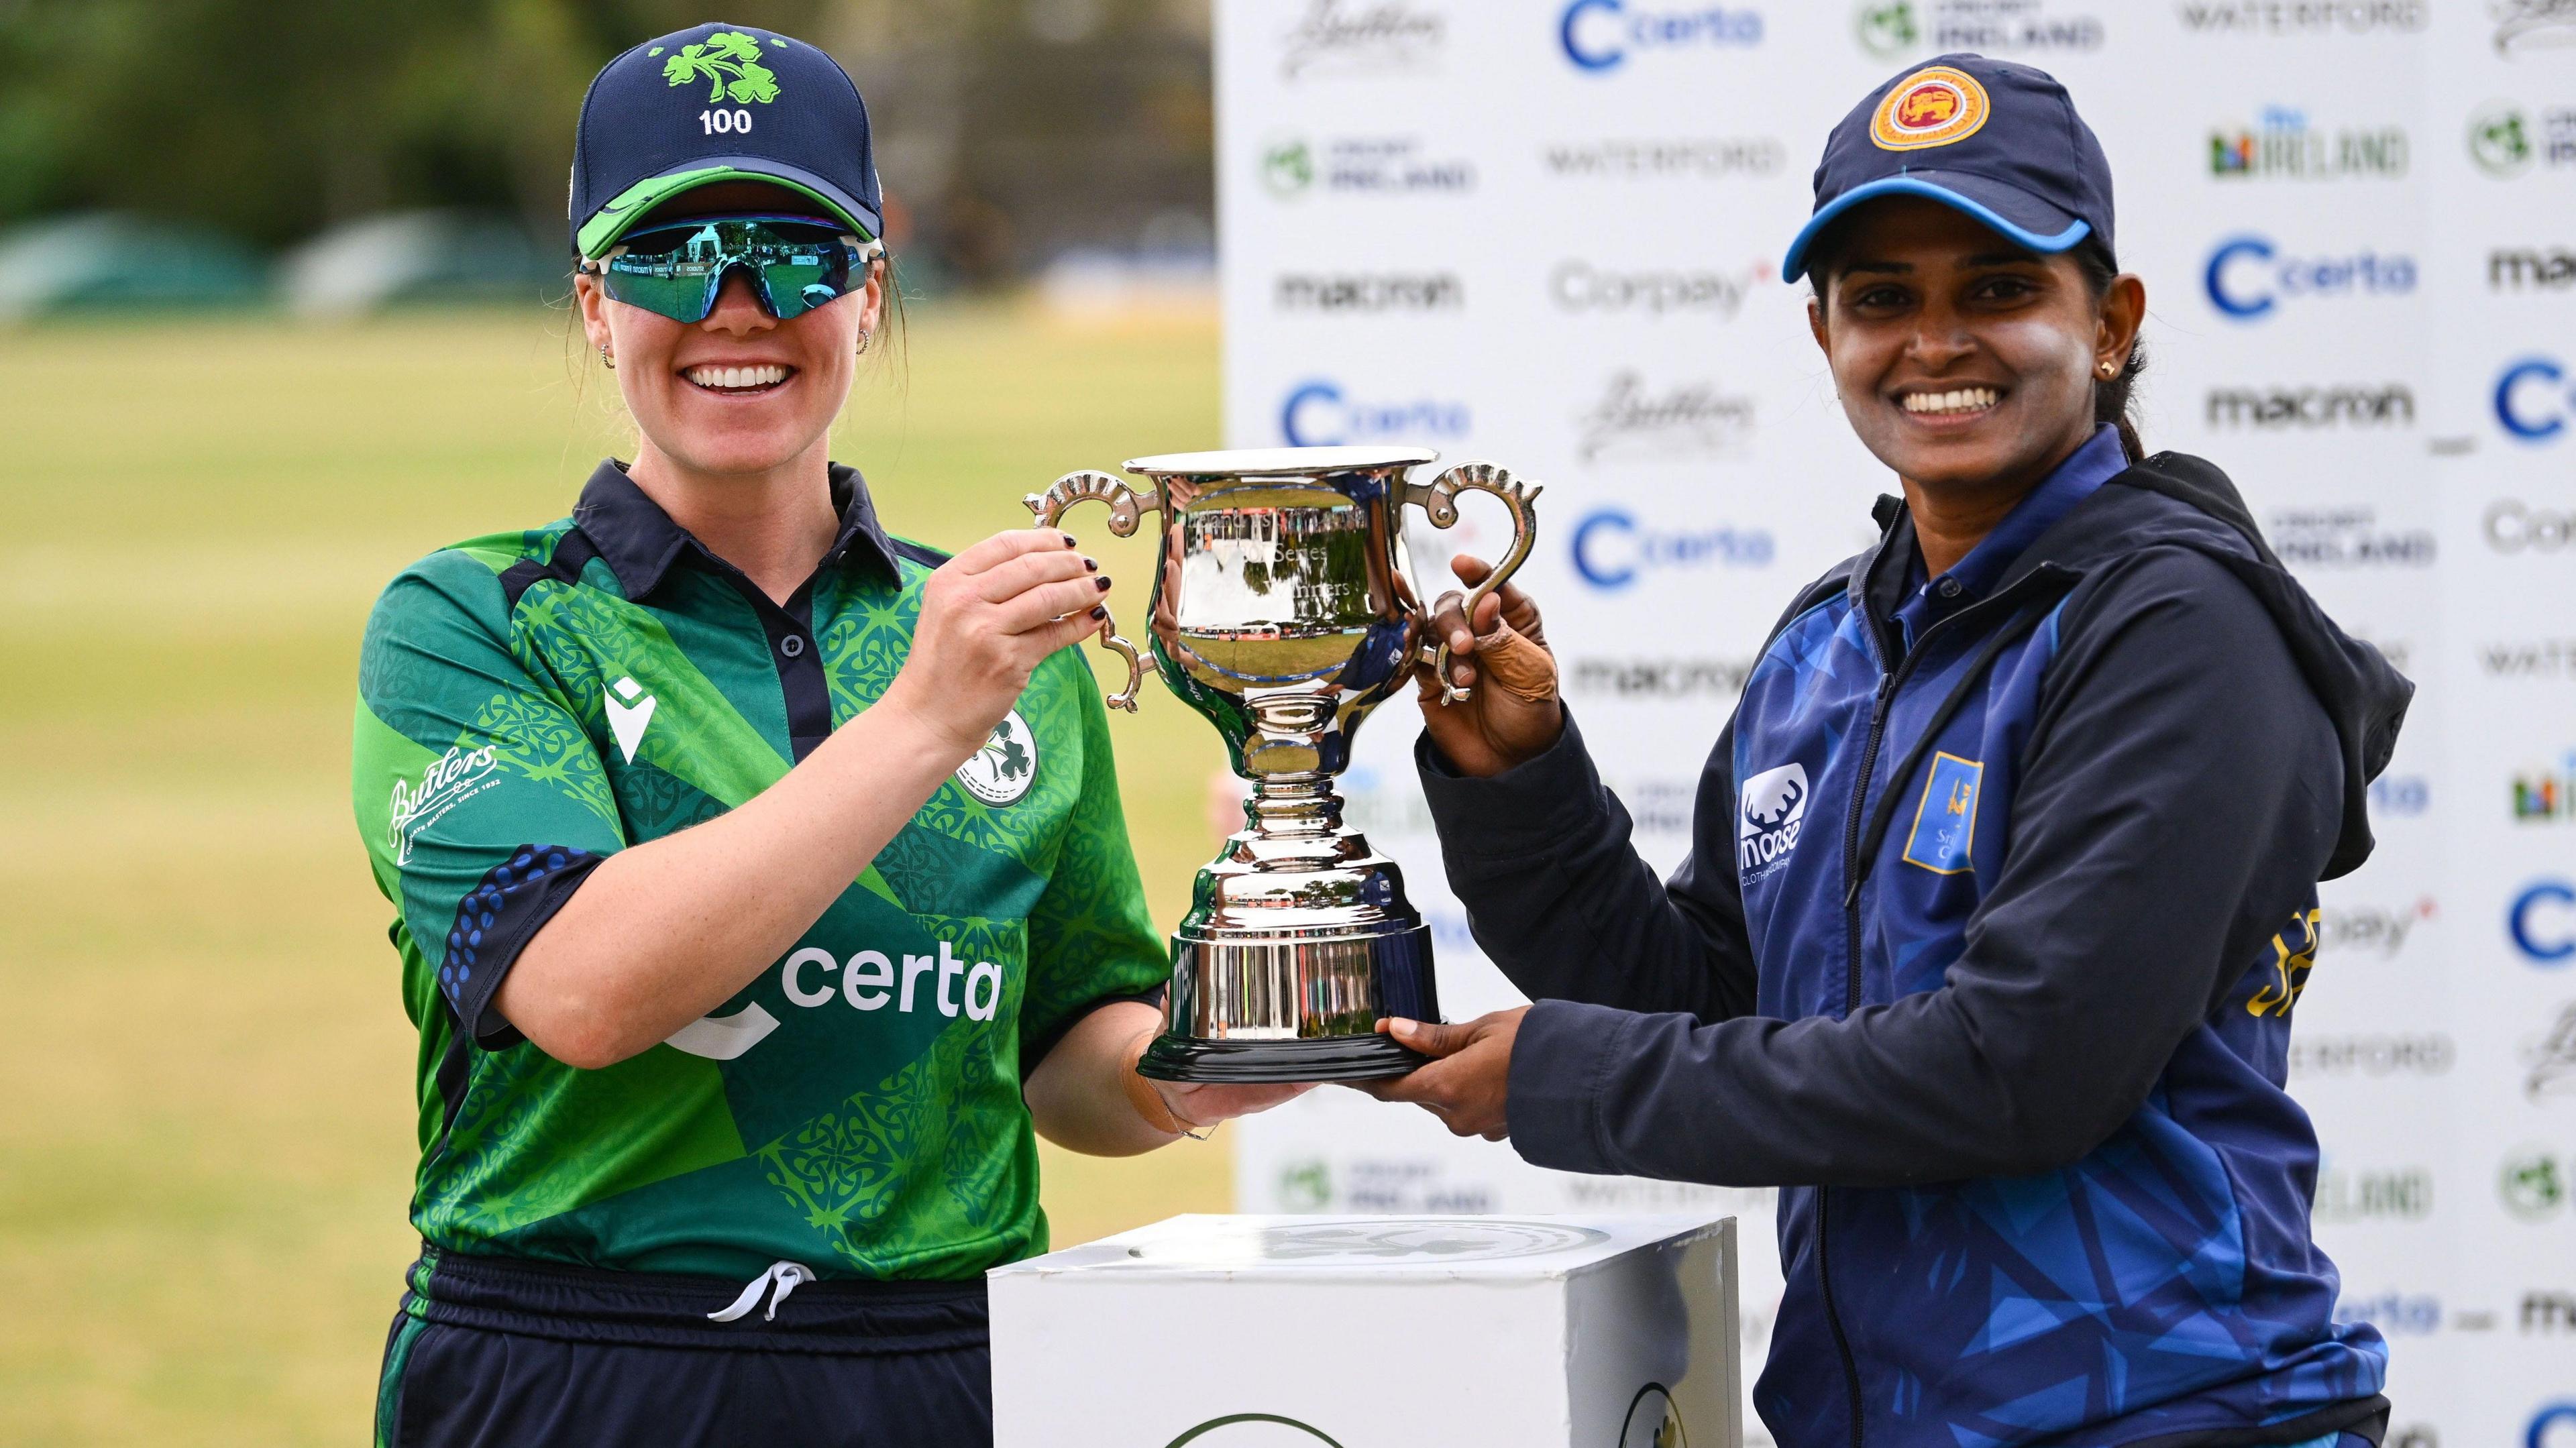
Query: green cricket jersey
[(530, 703)]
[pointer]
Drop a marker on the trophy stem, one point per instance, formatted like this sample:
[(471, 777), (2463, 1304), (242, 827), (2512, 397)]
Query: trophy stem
[(1301, 940), (1285, 806)]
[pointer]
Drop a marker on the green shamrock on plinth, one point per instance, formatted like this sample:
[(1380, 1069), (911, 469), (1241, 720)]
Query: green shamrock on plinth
[(730, 62)]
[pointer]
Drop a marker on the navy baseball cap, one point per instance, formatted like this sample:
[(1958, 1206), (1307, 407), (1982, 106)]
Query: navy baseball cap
[(1997, 140), (715, 103)]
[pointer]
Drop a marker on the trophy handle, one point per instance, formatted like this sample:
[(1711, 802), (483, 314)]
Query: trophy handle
[(1439, 499), (1127, 507)]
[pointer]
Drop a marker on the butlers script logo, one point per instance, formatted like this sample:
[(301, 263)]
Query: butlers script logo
[(455, 777), (2529, 25), (1692, 419), (1361, 37), (1772, 807)]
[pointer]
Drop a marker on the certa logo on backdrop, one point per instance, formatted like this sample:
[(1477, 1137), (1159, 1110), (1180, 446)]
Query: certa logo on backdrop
[(2553, 1426), (2533, 396), (2250, 276), (1613, 548), (1603, 35), (1318, 413), (2541, 922)]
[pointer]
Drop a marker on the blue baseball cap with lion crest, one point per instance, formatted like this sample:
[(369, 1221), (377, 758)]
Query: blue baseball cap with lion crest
[(712, 103)]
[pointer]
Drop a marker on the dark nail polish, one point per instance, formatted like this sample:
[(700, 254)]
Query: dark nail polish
[(1068, 540), (1100, 611), (1091, 563), (1103, 581)]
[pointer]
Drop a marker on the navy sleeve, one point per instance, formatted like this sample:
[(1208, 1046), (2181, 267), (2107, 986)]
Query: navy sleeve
[(1557, 896), (2181, 791)]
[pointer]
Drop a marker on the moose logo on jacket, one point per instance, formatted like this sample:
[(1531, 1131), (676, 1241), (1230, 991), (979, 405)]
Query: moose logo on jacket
[(1772, 806)]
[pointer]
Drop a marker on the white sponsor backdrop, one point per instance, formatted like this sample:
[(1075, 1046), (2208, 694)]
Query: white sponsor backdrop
[(1549, 234)]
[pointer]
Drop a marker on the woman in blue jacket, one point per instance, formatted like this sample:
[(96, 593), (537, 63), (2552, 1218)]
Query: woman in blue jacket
[(2004, 873)]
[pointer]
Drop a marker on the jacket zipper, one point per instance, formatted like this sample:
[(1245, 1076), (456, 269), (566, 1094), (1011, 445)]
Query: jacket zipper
[(1879, 703)]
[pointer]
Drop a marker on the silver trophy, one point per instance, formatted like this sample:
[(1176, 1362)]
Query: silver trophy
[(1283, 612)]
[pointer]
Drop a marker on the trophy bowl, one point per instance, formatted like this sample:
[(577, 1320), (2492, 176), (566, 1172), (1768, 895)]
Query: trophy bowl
[(1283, 612)]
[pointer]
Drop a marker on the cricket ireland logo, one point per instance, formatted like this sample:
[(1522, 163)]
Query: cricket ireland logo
[(729, 61), (1003, 770)]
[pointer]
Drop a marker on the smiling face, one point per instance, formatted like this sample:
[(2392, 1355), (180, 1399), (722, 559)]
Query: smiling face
[(741, 392), (1965, 363)]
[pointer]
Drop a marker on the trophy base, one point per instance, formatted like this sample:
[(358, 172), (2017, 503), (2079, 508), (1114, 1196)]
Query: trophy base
[(1318, 1058)]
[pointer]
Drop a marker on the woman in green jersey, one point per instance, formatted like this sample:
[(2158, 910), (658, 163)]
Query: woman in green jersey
[(760, 878)]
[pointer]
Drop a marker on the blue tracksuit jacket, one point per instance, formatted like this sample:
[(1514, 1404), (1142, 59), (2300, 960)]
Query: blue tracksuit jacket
[(2002, 892)]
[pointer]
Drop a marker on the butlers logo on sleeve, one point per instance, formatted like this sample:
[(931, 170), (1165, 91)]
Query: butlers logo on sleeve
[(2283, 145), (2346, 538), (1636, 419), (450, 780), (1897, 29), (1362, 38)]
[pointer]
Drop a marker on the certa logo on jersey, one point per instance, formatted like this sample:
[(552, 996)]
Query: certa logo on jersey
[(1932, 107), (1768, 813)]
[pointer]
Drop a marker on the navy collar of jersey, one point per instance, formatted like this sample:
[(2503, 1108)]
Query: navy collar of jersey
[(1912, 600), (639, 542)]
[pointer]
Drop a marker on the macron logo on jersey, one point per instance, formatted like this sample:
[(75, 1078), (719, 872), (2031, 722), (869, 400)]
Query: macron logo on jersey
[(1768, 813), (629, 710)]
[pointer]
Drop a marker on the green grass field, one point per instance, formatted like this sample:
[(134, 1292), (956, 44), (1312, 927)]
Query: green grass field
[(206, 1148)]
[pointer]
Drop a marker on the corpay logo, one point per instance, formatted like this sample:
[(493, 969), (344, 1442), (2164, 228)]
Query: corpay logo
[(1599, 35), (2248, 277), (1768, 814)]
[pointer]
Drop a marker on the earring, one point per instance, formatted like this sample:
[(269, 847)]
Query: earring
[(605, 360), (2110, 369), (864, 335)]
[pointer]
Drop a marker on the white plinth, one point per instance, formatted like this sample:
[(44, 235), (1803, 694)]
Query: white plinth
[(1374, 1332)]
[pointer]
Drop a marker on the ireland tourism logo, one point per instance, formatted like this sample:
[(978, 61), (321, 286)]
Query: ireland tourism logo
[(1003, 770), (729, 61)]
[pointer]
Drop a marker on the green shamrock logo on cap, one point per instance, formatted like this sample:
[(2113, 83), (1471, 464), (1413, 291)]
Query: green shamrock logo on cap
[(729, 61)]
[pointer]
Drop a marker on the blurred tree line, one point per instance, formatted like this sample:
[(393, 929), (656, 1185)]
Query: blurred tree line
[(1008, 130)]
